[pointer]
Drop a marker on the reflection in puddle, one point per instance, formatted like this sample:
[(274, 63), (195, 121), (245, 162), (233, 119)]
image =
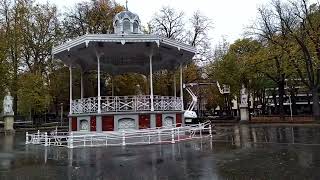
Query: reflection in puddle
[(238, 152)]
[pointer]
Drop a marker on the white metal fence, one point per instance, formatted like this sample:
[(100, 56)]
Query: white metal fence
[(126, 103), (121, 138)]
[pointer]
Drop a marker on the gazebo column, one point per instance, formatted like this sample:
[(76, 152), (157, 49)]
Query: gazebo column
[(99, 95), (81, 85), (112, 87), (70, 86), (131, 26), (151, 84), (174, 85), (181, 88)]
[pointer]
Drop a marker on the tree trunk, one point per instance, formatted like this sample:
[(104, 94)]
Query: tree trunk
[(254, 108), (281, 98), (274, 97), (262, 102), (315, 105), (293, 97), (56, 107), (309, 103), (15, 86)]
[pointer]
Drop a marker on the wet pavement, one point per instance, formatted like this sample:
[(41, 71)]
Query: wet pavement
[(239, 152)]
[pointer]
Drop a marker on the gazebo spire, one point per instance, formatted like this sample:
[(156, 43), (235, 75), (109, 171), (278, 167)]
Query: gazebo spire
[(126, 5)]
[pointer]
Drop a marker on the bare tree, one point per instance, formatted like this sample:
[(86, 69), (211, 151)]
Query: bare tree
[(294, 26), (301, 24), (274, 41), (169, 23), (201, 24), (198, 35)]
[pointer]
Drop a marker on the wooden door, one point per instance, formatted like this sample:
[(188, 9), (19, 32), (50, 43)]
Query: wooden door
[(144, 121), (178, 120), (74, 124), (107, 123), (93, 123)]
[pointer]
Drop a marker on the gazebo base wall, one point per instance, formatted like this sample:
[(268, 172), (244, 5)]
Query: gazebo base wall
[(124, 120)]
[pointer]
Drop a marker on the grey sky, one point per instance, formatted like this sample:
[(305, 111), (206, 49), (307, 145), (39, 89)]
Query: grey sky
[(229, 17)]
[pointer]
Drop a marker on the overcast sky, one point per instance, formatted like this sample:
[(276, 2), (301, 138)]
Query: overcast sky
[(229, 17)]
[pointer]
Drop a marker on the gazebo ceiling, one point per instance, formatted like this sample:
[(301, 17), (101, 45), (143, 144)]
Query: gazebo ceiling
[(124, 53)]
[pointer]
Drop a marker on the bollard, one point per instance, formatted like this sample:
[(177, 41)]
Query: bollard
[(210, 130), (149, 138), (45, 139), (27, 138), (106, 140), (123, 139), (71, 140), (172, 136)]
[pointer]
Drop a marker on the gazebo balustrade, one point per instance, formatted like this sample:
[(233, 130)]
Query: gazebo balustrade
[(140, 103)]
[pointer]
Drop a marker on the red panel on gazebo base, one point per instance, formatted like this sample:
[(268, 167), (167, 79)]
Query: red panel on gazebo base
[(93, 123), (159, 120), (107, 123), (178, 120), (144, 121), (74, 124)]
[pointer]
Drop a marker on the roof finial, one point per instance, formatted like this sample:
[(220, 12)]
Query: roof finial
[(127, 5)]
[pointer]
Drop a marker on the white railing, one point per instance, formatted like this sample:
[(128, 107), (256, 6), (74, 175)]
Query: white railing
[(85, 105), (167, 103), (121, 138), (126, 104)]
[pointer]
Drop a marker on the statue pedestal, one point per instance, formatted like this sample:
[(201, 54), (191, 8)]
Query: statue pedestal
[(8, 123), (244, 113)]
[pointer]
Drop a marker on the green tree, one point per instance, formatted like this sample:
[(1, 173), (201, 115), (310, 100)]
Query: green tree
[(40, 31), (130, 84), (241, 63), (90, 17), (294, 28), (3, 67), (11, 14), (58, 88), (34, 95)]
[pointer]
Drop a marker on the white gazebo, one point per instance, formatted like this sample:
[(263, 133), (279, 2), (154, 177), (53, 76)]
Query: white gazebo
[(128, 50)]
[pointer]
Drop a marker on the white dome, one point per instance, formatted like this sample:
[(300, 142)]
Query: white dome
[(126, 22)]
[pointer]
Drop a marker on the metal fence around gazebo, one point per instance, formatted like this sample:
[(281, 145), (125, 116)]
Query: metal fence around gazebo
[(121, 138)]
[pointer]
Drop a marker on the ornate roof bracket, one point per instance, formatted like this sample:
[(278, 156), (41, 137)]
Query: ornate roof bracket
[(158, 43), (87, 43)]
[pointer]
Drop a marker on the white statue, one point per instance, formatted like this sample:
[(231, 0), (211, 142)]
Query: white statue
[(8, 104), (244, 95)]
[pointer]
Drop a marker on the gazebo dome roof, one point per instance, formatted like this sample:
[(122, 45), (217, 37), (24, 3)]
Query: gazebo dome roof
[(126, 22), (126, 14)]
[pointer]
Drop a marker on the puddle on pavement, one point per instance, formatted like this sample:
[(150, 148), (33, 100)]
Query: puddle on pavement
[(238, 152)]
